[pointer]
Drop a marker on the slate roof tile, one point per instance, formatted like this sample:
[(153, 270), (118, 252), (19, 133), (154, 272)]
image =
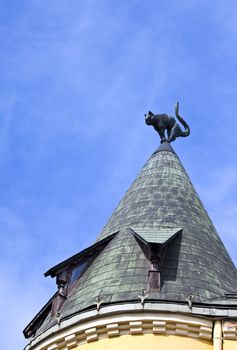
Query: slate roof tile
[(196, 261)]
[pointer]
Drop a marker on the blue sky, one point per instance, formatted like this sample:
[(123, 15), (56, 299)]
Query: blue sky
[(76, 80)]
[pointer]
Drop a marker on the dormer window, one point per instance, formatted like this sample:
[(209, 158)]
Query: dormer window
[(65, 281), (154, 241), (68, 272), (75, 273), (154, 271)]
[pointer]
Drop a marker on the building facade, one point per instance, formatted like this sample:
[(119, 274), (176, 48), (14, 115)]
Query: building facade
[(157, 277)]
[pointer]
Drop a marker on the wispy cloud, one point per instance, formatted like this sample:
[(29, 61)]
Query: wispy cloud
[(76, 80)]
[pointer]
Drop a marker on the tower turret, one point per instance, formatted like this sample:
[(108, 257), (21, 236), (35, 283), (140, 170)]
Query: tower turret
[(158, 269)]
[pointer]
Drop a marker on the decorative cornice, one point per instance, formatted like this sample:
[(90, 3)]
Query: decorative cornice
[(122, 324)]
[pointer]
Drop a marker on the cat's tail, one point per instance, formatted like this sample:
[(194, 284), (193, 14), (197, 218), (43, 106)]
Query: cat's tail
[(186, 132)]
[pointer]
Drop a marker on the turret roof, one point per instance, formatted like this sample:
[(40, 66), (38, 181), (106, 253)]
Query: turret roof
[(161, 210)]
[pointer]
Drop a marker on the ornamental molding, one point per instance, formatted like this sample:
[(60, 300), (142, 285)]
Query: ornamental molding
[(123, 324), (230, 330)]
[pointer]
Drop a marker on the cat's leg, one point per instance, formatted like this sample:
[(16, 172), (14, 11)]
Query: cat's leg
[(173, 134), (161, 132)]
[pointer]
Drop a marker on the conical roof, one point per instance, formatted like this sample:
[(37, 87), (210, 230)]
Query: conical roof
[(161, 209)]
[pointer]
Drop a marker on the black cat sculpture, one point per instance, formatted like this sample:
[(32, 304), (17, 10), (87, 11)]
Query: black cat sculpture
[(163, 122)]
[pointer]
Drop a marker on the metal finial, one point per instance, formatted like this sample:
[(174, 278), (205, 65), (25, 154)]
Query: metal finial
[(58, 317), (189, 299), (143, 295), (98, 302)]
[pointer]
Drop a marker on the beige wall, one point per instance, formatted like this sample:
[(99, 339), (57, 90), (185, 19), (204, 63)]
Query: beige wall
[(230, 345), (149, 342)]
